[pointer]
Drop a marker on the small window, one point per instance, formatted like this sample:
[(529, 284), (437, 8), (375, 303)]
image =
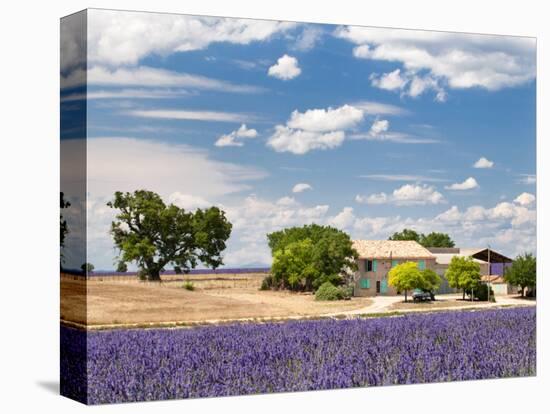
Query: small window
[(368, 265), (422, 264)]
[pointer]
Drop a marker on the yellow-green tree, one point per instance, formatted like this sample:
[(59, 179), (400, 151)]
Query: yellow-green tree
[(405, 277), (463, 273)]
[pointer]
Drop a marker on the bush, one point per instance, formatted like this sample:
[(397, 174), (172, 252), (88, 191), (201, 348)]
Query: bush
[(480, 293), (327, 291), (267, 283), (189, 286)]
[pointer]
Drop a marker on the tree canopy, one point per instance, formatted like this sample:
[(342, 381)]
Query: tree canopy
[(154, 235), (463, 273), (305, 257), (406, 276), (523, 272), (432, 239)]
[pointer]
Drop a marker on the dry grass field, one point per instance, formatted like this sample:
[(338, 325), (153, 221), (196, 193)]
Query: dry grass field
[(126, 302)]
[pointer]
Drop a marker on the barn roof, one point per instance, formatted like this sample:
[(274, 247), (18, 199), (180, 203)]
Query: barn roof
[(395, 249), (480, 255)]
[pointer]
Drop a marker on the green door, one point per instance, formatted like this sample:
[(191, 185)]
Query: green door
[(383, 286)]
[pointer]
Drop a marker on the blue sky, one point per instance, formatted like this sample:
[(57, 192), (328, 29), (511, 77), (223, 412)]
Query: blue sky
[(370, 130)]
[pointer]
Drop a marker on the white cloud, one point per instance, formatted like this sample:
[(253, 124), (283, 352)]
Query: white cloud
[(322, 120), (188, 201), (379, 127), (301, 187), (124, 37), (310, 36), (128, 164), (459, 60), (408, 194), (211, 116), (525, 199), (300, 142), (144, 76), (390, 81), (235, 138), (483, 163), (343, 219), (314, 129), (468, 184), (286, 68)]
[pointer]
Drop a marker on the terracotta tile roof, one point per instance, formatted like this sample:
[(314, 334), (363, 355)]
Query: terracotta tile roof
[(396, 249)]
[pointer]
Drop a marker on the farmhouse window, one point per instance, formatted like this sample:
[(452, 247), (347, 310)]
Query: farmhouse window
[(365, 283), (368, 265), (393, 263), (422, 264)]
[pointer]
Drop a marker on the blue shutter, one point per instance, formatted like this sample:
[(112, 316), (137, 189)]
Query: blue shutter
[(422, 264), (393, 263), (374, 264), (365, 283), (383, 286)]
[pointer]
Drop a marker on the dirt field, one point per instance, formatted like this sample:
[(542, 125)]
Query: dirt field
[(138, 302)]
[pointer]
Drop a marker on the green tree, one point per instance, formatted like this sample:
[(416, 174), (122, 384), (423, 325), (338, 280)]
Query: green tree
[(463, 273), (406, 234), (292, 266), (87, 268), (122, 267), (434, 239), (523, 272), (327, 255), (431, 280), (407, 276), (63, 228), (153, 234)]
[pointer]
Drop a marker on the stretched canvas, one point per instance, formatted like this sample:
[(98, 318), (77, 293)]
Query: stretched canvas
[(259, 206)]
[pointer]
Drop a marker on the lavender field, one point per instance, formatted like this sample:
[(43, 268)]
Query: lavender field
[(136, 365)]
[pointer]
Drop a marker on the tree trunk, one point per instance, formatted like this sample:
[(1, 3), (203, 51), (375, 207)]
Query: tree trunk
[(522, 290), (405, 296), (154, 274), (463, 294)]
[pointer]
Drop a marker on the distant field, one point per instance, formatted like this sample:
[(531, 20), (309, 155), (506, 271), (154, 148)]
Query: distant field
[(132, 301)]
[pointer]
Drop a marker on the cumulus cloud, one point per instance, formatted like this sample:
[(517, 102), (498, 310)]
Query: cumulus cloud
[(235, 138), (124, 38), (390, 81), (525, 199), (315, 129), (308, 38), (330, 119), (301, 187), (468, 184), (435, 60), (379, 127), (408, 194), (483, 163), (286, 68), (188, 201)]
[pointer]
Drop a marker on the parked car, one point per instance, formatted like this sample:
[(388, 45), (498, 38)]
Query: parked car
[(419, 295)]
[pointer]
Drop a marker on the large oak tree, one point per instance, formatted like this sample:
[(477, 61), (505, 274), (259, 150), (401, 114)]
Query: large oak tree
[(154, 235)]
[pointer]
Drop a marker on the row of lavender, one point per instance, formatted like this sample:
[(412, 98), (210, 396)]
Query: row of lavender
[(136, 365), (232, 270)]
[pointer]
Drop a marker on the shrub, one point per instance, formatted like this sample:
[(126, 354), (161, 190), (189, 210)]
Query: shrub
[(480, 293), (267, 283), (327, 291), (189, 286)]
